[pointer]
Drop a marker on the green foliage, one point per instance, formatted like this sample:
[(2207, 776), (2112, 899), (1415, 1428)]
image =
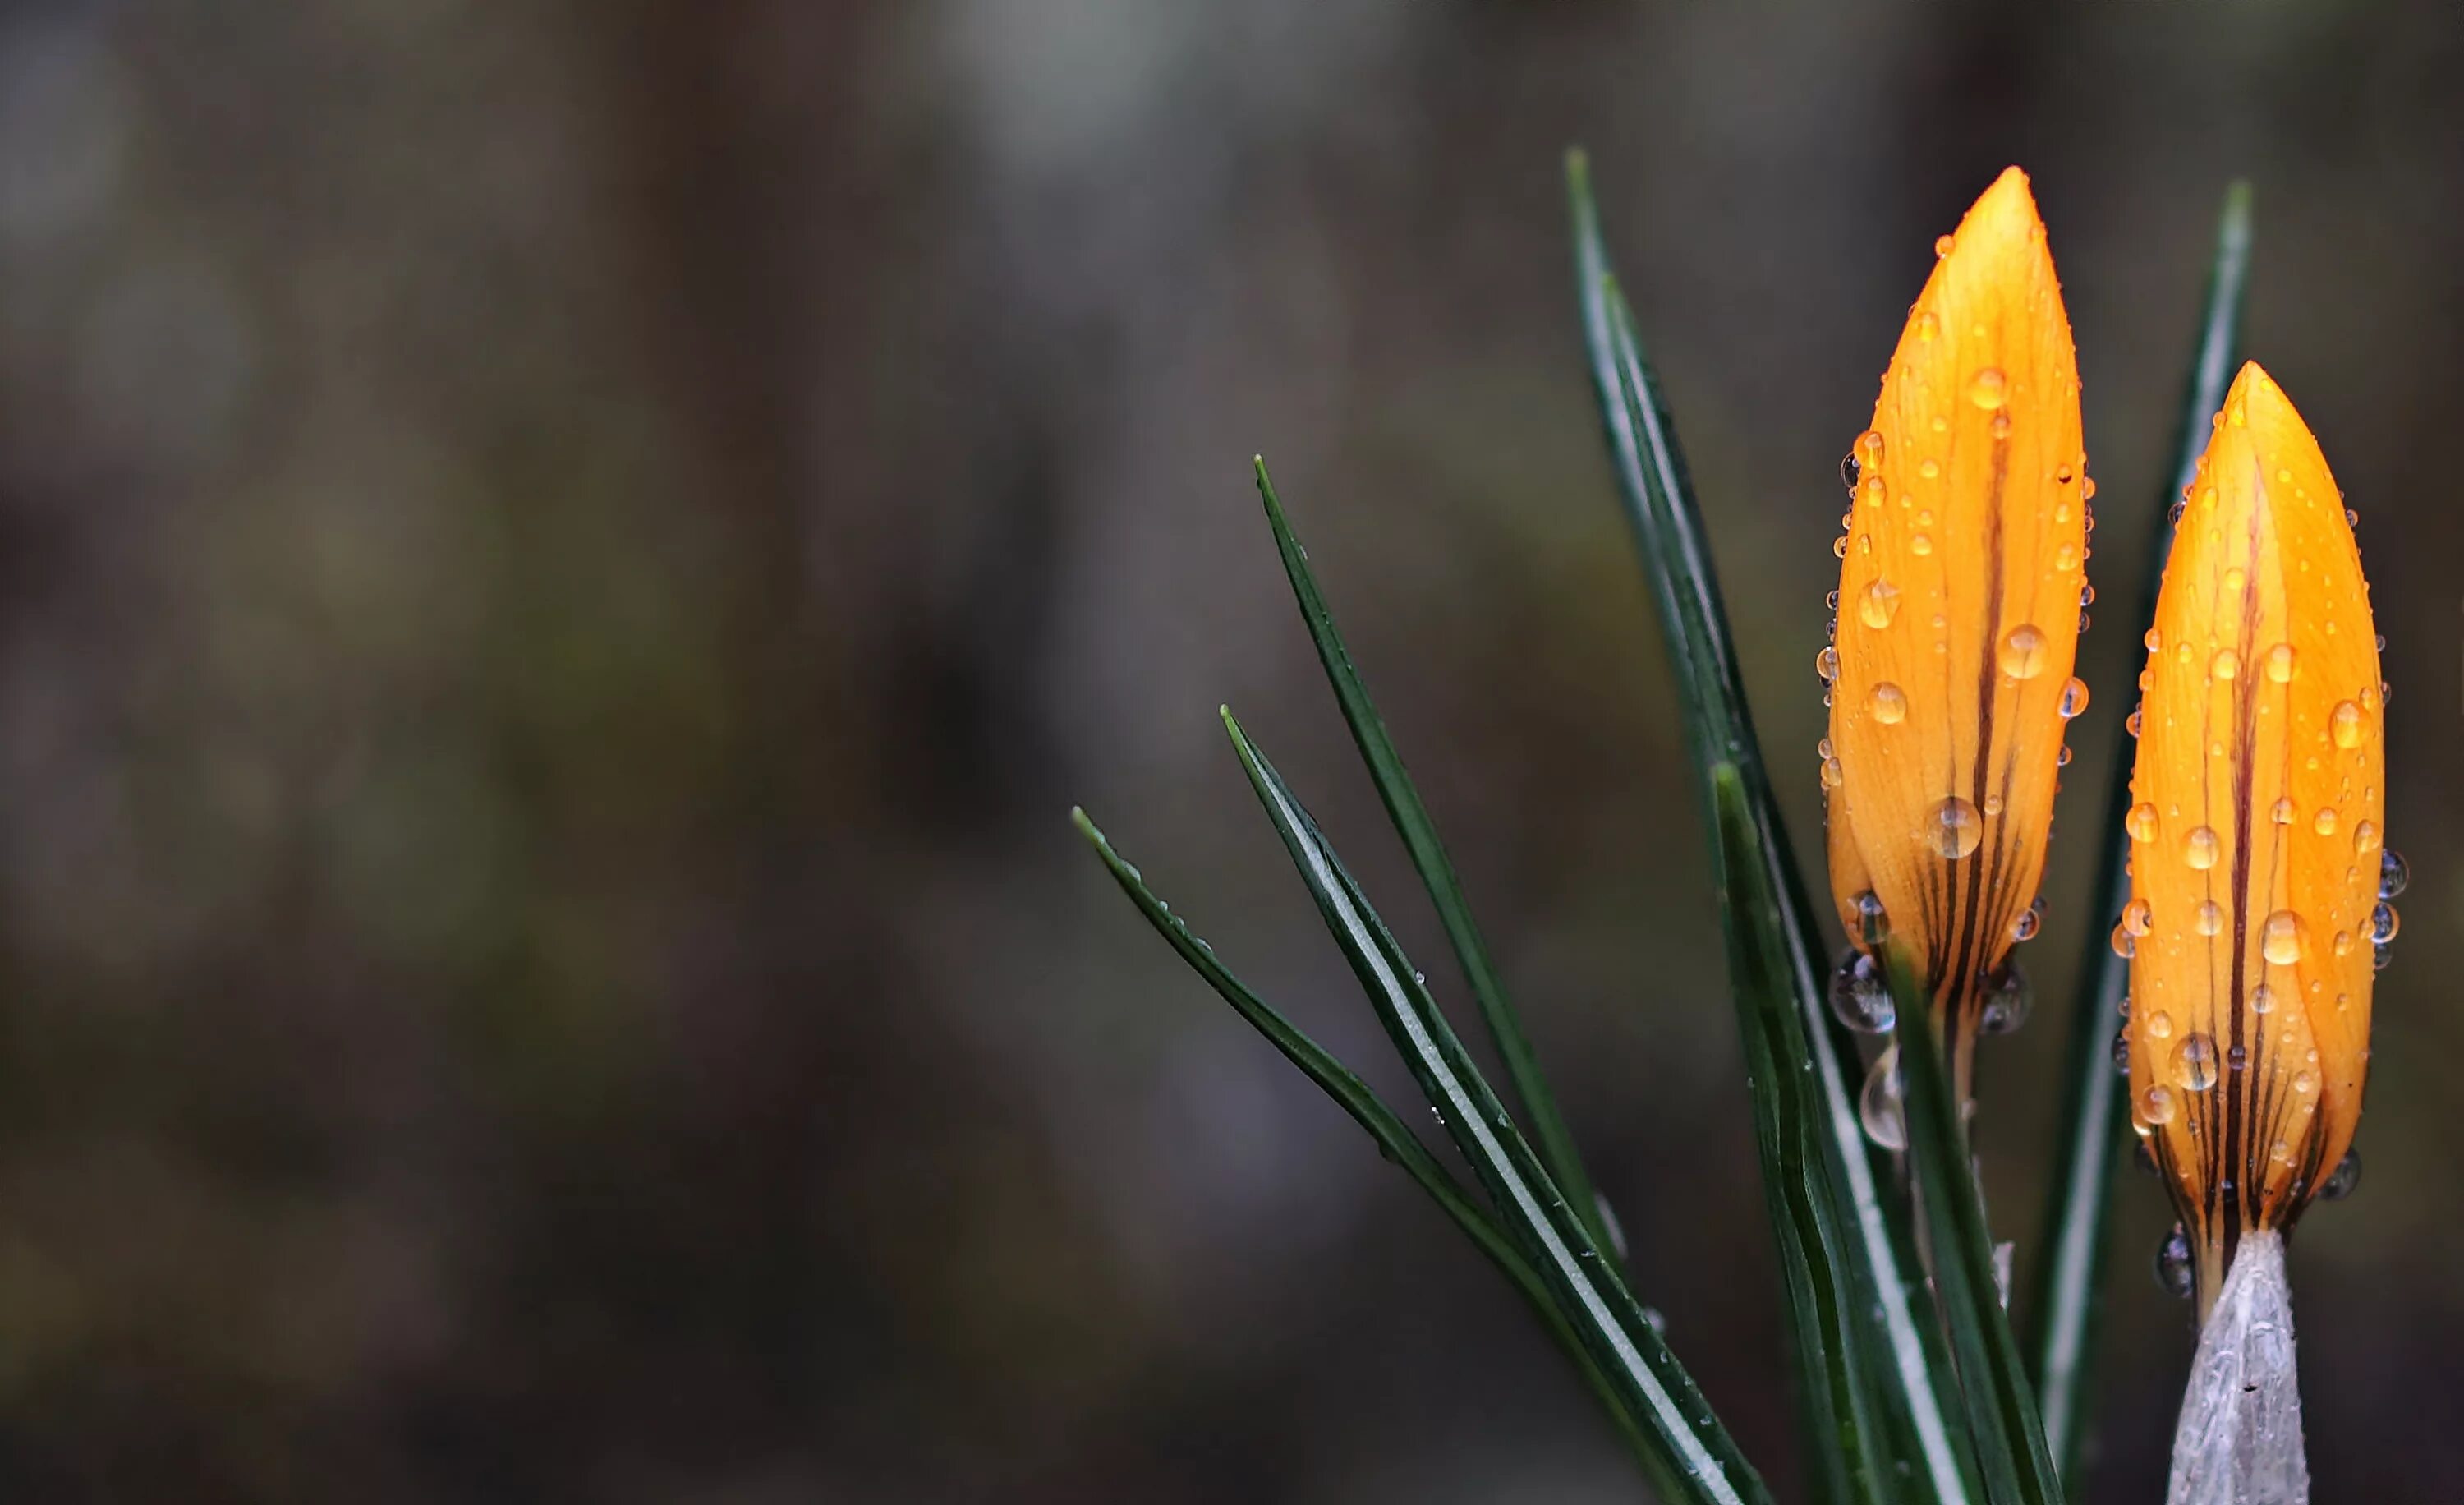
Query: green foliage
[(1897, 1405)]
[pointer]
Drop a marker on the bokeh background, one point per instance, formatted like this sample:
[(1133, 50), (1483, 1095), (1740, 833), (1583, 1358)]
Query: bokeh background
[(562, 564)]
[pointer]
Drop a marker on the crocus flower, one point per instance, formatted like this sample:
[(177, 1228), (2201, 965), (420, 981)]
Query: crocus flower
[(2258, 913), (1960, 590)]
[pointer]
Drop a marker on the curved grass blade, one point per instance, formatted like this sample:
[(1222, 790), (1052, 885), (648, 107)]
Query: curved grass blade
[(1695, 1460), (1549, 1136), (1659, 502), (2002, 1422), (2065, 1304), (1395, 1141), (1805, 1215)]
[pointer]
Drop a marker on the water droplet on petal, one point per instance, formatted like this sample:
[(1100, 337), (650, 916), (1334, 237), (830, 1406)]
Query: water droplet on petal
[(2175, 1275), (1919, 544), (1833, 774), (2200, 846), (1879, 1106), (2279, 664), (1988, 389), (2160, 1026), (2023, 653), (2074, 699), (2341, 1181), (1878, 603), (2262, 999), (2138, 915), (1826, 663), (2141, 822), (2383, 923), (1890, 703), (1954, 828), (2209, 918), (2305, 1081), (2324, 821), (1941, 246), (2195, 1062), (2283, 940), (2282, 811), (2031, 919), (2006, 1001), (1859, 998), (2125, 945), (2156, 1104), (2344, 724), (2393, 874)]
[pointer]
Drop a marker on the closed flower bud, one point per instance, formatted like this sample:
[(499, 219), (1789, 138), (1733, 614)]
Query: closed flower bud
[(2257, 837), (1960, 594)]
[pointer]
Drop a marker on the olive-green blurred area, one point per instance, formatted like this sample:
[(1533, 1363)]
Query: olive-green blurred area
[(562, 564)]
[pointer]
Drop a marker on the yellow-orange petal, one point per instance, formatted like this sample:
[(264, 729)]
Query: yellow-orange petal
[(2261, 756), (1960, 596)]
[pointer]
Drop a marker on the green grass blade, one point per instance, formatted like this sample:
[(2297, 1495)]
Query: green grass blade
[(2065, 1302), (2002, 1421), (1697, 1462), (1395, 1139), (1549, 1136), (1659, 504), (1805, 1215)]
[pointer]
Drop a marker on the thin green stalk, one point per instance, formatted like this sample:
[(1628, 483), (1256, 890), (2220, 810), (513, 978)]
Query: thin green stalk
[(1395, 1141), (2002, 1420), (1697, 1461), (2065, 1304), (1549, 1136)]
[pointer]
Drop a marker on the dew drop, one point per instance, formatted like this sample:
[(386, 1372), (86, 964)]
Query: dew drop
[(1840, 547), (2023, 651), (2262, 999), (1879, 1106), (2305, 1081), (2138, 916), (2124, 944), (1859, 998), (1890, 703), (2141, 822), (2341, 1181), (2195, 1062), (2344, 724), (2279, 663), (1826, 663), (1988, 389), (2130, 723), (2393, 872), (2160, 1026), (1878, 603), (2226, 664), (1941, 245), (2156, 1104), (2281, 940), (2383, 923), (2209, 918), (1832, 775), (1926, 325), (2236, 578), (2074, 698), (1954, 828), (2365, 838), (1873, 926), (2282, 811), (2200, 846), (2174, 1272), (1929, 468), (2066, 557), (2031, 919), (2121, 1051), (1919, 544), (2006, 1001)]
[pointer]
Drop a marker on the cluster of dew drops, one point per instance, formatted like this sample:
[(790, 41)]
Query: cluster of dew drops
[(2194, 1059), (1953, 827)]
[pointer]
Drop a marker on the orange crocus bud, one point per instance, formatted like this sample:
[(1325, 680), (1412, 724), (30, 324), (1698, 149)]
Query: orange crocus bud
[(2259, 866), (1961, 587)]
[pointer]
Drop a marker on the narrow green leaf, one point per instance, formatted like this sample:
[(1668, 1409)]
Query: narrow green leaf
[(1659, 504), (1549, 1136), (2065, 1301), (1696, 1461), (1395, 1141), (2002, 1421), (1805, 1219)]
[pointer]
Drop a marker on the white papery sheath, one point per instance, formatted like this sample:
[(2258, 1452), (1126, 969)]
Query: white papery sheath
[(2240, 1439)]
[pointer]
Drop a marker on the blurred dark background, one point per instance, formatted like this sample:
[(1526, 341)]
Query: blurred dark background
[(562, 566)]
